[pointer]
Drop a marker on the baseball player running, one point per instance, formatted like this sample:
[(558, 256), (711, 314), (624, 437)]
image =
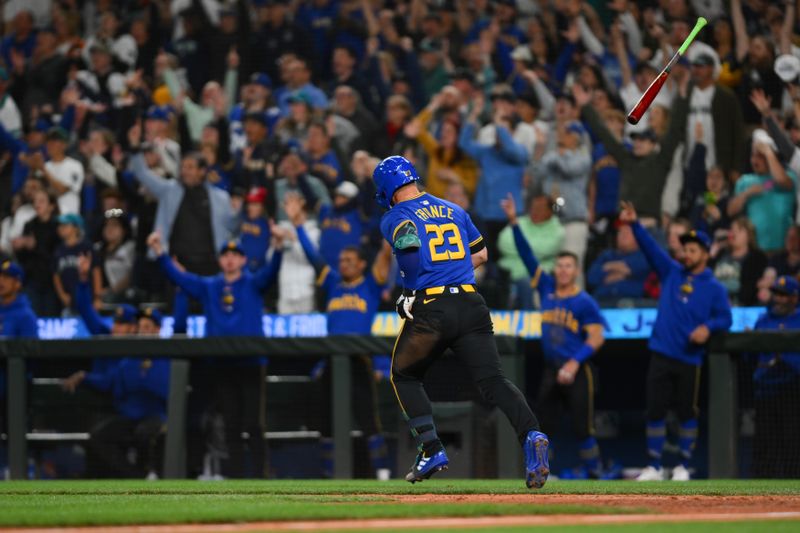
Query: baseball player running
[(572, 331), (437, 247)]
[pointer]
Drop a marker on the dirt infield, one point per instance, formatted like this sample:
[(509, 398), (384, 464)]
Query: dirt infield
[(678, 505), (651, 509)]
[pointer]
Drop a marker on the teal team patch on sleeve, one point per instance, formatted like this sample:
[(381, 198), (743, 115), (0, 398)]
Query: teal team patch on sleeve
[(406, 237)]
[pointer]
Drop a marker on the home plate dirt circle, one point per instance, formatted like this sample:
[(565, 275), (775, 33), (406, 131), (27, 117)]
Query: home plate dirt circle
[(649, 509)]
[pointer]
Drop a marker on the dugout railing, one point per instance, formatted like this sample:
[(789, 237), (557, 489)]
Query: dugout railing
[(723, 412), (182, 350)]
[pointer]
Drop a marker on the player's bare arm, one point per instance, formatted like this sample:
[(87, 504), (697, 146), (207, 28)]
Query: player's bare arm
[(480, 258)]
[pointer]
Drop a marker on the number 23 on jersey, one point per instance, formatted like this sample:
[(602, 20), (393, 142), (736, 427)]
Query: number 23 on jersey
[(444, 242)]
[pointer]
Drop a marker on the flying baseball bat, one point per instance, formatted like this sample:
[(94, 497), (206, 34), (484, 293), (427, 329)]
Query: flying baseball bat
[(652, 91)]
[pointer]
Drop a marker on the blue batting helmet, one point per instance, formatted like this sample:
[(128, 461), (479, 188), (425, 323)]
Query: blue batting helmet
[(391, 174)]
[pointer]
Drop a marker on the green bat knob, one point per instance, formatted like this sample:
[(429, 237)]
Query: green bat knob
[(699, 25)]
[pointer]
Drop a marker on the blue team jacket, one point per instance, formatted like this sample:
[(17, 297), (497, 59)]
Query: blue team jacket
[(83, 302), (687, 301), (230, 309), (139, 386), (17, 319), (775, 369)]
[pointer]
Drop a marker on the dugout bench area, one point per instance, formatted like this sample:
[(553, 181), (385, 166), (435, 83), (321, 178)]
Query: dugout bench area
[(181, 351), (723, 412)]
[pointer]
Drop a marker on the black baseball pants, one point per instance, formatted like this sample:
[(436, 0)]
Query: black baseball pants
[(455, 318), (578, 397), (672, 384), (113, 436)]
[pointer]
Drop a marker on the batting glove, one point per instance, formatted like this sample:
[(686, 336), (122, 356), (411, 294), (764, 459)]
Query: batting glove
[(405, 302)]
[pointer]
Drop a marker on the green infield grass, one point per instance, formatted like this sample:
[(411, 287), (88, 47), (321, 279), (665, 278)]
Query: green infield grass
[(62, 503)]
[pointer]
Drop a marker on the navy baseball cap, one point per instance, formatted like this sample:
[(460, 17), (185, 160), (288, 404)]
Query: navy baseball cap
[(12, 270), (787, 285), (158, 113), (152, 313), (125, 314), (256, 116), (530, 98), (232, 246), (42, 125), (261, 78), (700, 237)]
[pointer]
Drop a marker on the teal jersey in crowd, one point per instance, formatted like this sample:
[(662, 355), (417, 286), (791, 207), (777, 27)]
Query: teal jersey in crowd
[(772, 211)]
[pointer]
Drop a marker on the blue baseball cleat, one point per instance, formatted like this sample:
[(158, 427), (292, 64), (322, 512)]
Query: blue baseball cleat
[(536, 462), (425, 467)]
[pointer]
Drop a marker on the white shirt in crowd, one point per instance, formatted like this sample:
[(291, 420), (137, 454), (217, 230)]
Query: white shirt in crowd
[(41, 10), (700, 111), (116, 85), (68, 172), (710, 9), (13, 226), (118, 265), (123, 48), (170, 153), (297, 276), (794, 165), (10, 117)]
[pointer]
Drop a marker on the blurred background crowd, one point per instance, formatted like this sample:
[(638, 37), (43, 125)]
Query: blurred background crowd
[(238, 104)]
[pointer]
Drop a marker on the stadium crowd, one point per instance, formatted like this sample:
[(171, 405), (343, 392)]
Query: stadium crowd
[(136, 131), (197, 119)]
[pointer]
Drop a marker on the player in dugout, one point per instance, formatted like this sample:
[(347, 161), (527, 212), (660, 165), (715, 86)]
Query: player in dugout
[(777, 385), (139, 388), (693, 305), (17, 319), (352, 299), (572, 332), (437, 248), (232, 304)]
